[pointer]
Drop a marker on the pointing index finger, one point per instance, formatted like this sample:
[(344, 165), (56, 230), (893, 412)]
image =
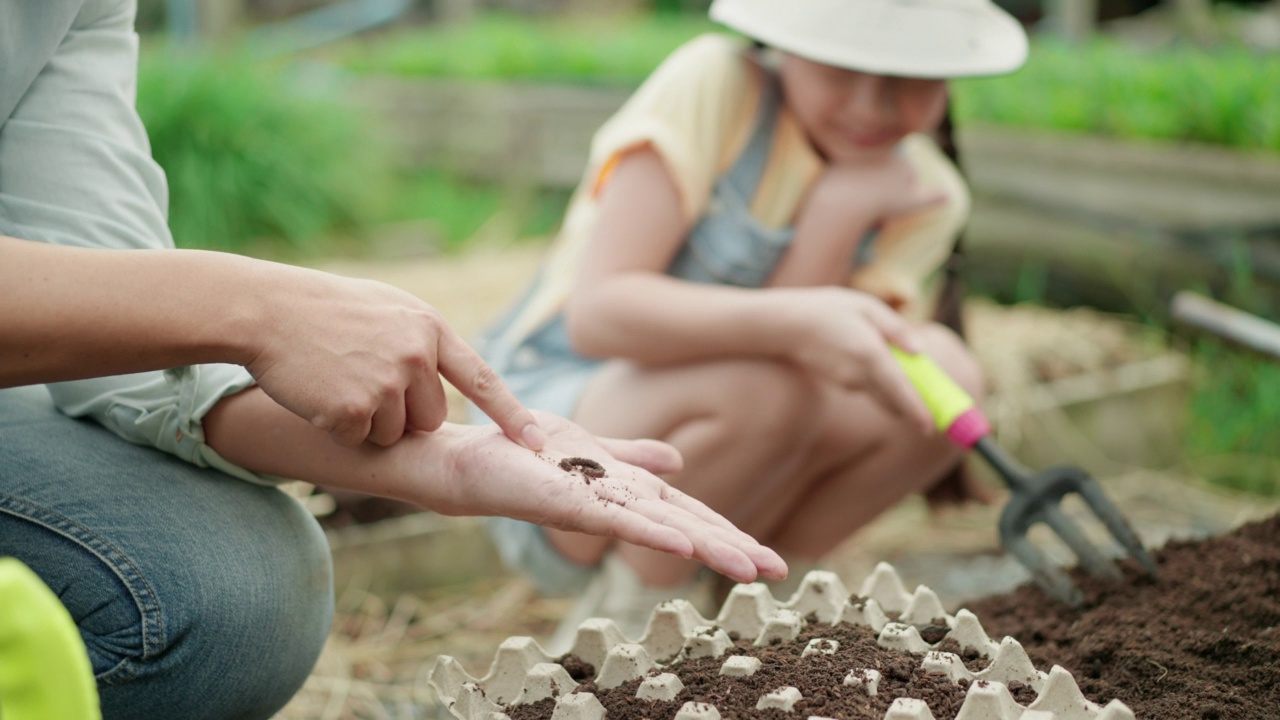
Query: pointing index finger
[(466, 370)]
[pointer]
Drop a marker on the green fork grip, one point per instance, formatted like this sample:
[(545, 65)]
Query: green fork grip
[(44, 670), (946, 400)]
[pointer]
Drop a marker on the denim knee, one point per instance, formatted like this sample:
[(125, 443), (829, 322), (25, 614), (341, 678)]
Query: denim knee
[(233, 634), (197, 595), (245, 635)]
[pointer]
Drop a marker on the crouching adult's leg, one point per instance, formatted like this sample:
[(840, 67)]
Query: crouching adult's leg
[(197, 595)]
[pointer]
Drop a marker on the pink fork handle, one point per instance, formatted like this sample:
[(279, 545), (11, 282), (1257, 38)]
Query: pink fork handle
[(968, 428)]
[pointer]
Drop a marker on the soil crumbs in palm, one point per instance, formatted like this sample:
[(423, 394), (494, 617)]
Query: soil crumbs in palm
[(1202, 641)]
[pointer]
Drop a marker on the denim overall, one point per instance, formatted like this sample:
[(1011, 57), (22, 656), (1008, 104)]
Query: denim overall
[(728, 246)]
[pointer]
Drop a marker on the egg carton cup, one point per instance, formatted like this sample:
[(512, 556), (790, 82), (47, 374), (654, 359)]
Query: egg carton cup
[(522, 672)]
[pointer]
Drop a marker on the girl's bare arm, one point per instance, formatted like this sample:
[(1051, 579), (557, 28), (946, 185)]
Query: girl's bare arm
[(624, 306)]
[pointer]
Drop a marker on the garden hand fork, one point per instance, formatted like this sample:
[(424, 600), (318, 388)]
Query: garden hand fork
[(1036, 497)]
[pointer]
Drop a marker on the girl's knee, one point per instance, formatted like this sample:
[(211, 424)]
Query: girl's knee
[(771, 400), (952, 354)]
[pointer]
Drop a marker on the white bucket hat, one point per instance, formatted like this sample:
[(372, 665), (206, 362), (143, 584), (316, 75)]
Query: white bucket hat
[(909, 38)]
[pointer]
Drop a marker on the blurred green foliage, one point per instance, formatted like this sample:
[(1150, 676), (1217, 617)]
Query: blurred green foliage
[(1224, 96), (500, 46), (258, 166), (1233, 434), (250, 159), (688, 7), (458, 207)]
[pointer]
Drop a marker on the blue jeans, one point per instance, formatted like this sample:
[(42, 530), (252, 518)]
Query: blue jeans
[(196, 594)]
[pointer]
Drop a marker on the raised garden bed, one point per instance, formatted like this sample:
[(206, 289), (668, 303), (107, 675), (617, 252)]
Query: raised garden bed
[(1202, 642)]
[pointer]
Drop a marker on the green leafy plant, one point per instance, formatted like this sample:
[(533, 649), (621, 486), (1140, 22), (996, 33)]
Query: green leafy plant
[(1223, 96), (250, 158)]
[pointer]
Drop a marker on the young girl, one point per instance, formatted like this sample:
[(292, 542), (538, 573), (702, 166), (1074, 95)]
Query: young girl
[(752, 234)]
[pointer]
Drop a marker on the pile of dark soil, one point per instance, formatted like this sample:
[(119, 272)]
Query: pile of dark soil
[(1201, 642)]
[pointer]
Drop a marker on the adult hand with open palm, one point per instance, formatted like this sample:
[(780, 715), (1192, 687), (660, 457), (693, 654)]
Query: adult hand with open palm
[(587, 484)]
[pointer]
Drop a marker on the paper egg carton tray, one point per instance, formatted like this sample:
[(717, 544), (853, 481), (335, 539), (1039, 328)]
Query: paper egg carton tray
[(522, 672)]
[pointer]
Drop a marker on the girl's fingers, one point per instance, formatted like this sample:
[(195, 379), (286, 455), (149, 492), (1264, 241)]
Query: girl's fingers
[(893, 327), (891, 380), (888, 379)]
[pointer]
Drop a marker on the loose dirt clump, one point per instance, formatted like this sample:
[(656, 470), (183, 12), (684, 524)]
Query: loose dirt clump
[(588, 467), (1201, 642)]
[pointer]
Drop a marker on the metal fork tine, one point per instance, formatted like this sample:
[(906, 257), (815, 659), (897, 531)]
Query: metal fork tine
[(1035, 498), (1115, 522), (1093, 560), (1048, 576)]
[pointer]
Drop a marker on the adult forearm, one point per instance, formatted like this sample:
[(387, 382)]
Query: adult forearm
[(676, 322), (72, 313), (250, 430)]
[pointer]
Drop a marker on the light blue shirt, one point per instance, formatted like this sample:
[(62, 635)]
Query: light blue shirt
[(76, 169)]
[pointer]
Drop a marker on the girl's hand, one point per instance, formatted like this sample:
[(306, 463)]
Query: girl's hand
[(839, 209), (593, 485), (843, 336), (902, 193), (883, 190)]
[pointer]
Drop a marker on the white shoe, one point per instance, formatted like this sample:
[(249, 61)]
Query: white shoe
[(616, 593)]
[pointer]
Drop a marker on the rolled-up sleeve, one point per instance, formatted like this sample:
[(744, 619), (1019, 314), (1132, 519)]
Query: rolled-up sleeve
[(76, 169)]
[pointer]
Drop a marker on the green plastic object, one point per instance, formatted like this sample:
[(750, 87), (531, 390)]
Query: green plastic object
[(44, 669), (946, 400)]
